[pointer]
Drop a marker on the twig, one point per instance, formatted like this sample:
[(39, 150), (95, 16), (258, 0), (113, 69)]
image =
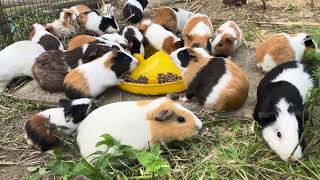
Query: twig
[(7, 163), (197, 10)]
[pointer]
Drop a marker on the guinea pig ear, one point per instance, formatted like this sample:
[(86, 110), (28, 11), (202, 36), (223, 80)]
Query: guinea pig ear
[(189, 37), (266, 115), (164, 115)]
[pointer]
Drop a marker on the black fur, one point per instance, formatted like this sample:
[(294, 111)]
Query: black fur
[(205, 79), (72, 93), (135, 14), (106, 22), (185, 57), (77, 112), (209, 47), (120, 63), (309, 43), (176, 9), (143, 3), (49, 42), (130, 35)]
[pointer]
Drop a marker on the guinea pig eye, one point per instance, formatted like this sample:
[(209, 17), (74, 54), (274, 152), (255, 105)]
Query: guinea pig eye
[(181, 119), (279, 134), (220, 45)]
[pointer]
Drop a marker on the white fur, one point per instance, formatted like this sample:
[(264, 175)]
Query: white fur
[(201, 28), (61, 30), (135, 3), (297, 77), (182, 17), (287, 125), (115, 37), (267, 63), (17, 60), (94, 21), (156, 35), (226, 29), (297, 44), (41, 31)]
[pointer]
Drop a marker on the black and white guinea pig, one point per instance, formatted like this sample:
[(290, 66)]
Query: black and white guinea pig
[(279, 110), (16, 60), (134, 38), (40, 35), (138, 124), (281, 48), (158, 37), (42, 129), (91, 79), (217, 83), (51, 67), (94, 22), (172, 19), (133, 10)]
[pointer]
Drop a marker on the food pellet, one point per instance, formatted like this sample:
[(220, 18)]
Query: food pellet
[(162, 78)]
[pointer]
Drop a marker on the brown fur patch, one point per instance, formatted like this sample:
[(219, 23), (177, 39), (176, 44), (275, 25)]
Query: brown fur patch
[(233, 26), (83, 19), (166, 17), (169, 45), (76, 80), (32, 32), (108, 61), (278, 47), (227, 46), (67, 20), (82, 8), (170, 129), (143, 27), (143, 103), (236, 93), (80, 40)]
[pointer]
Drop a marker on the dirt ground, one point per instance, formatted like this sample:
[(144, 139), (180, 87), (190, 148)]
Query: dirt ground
[(256, 23)]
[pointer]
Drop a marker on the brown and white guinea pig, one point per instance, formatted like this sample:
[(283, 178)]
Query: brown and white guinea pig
[(198, 32), (92, 21), (133, 10), (51, 67), (172, 19), (16, 60), (227, 39), (42, 129), (64, 26), (283, 47), (80, 40), (48, 41), (281, 98), (134, 38), (138, 124), (91, 79), (78, 9), (158, 37), (217, 83)]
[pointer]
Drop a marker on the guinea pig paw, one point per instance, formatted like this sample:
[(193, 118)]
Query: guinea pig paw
[(183, 100)]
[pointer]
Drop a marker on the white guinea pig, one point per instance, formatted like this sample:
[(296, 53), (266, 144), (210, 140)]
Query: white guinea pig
[(40, 35), (138, 124), (42, 128), (281, 48), (17, 60), (281, 96)]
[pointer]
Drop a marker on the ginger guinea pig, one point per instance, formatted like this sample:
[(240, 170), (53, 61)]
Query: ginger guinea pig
[(48, 41), (227, 39), (133, 10), (217, 83), (281, 96), (282, 47), (138, 124), (198, 32), (42, 129), (158, 37), (134, 38), (51, 67), (91, 79), (172, 19), (16, 60)]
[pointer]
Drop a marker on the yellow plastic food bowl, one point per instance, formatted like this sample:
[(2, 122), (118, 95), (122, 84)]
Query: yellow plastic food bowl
[(160, 62)]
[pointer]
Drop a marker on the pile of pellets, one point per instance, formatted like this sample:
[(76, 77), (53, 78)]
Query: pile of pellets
[(162, 78)]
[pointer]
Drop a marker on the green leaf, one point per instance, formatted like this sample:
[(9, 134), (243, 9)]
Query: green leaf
[(32, 168), (107, 140)]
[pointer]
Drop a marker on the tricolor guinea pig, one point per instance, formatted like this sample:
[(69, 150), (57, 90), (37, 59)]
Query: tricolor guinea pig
[(282, 47), (281, 96), (91, 79), (51, 67), (198, 32), (134, 38), (172, 19), (133, 10), (92, 21), (217, 83), (227, 39), (16, 60), (138, 124), (158, 37), (42, 129), (40, 35), (64, 26)]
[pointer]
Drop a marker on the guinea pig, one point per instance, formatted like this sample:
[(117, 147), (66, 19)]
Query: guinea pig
[(138, 124), (134, 38), (42, 129), (51, 67), (198, 32), (91, 79), (172, 19), (279, 110), (63, 27), (16, 60), (227, 39), (40, 35), (282, 47), (133, 10), (80, 40), (94, 22), (79, 9), (217, 83), (158, 37)]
